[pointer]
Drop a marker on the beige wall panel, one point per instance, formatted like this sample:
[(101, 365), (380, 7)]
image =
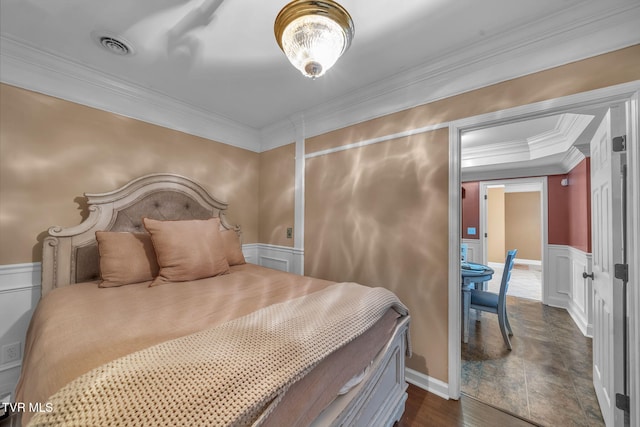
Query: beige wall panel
[(344, 186), (616, 67), (523, 224), (52, 151), (495, 225), (277, 195), (377, 215)]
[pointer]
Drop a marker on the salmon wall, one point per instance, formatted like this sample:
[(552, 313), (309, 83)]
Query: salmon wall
[(53, 151)]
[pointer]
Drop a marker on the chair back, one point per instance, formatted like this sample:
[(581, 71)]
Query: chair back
[(506, 274), (463, 252)]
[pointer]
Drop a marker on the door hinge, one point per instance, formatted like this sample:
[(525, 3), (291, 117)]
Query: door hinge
[(619, 143), (485, 234), (485, 197), (622, 402), (621, 271)]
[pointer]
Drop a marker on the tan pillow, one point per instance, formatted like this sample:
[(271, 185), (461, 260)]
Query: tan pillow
[(232, 247), (125, 258), (187, 250)]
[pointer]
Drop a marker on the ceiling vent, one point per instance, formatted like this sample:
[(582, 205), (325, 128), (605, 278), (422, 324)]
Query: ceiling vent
[(114, 44)]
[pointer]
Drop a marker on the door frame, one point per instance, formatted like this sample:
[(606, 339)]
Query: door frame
[(605, 96), (540, 184)]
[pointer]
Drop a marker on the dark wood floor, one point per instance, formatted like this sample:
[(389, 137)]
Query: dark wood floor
[(426, 409)]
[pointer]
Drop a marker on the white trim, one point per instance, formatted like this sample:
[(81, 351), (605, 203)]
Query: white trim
[(10, 366), (633, 211), (596, 97), (430, 384), (282, 258), (474, 251), (250, 252), (33, 69), (377, 140), (454, 294), (567, 288), (572, 159), (540, 184), (527, 261), (298, 219), (18, 277)]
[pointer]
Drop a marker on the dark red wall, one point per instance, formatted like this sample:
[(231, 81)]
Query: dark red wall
[(569, 208), (580, 206), (471, 209), (558, 209)]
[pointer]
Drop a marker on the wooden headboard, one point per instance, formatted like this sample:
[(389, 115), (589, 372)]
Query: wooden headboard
[(70, 255)]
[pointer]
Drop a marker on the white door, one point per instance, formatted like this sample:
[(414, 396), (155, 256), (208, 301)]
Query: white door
[(607, 250)]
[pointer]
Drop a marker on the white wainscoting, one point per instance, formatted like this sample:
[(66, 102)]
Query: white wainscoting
[(282, 258), (474, 250), (566, 288), (19, 295)]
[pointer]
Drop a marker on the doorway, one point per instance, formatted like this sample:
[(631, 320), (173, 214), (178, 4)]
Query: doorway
[(514, 214), (571, 103)]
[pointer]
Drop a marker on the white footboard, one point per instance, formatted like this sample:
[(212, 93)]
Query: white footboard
[(379, 399)]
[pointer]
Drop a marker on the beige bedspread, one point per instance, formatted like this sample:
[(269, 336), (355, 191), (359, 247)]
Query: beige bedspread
[(68, 335), (226, 375)]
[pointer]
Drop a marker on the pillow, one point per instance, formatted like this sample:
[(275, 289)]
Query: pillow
[(232, 247), (125, 258), (187, 250)]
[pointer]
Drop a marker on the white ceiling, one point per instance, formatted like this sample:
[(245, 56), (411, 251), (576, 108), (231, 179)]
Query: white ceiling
[(547, 144), (221, 75)]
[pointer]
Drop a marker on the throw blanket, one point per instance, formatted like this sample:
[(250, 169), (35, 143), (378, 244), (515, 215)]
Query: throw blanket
[(227, 375)]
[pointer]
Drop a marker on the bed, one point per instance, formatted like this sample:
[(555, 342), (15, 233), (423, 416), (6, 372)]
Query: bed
[(247, 345)]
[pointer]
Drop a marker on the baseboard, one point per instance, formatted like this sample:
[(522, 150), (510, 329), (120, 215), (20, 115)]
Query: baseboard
[(425, 382), (579, 319), (528, 261)]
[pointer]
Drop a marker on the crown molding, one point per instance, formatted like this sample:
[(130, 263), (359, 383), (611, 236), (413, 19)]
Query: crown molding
[(595, 28), (30, 68), (558, 140), (495, 153), (573, 157)]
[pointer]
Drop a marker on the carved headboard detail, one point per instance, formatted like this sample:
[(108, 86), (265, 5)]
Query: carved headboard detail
[(70, 255)]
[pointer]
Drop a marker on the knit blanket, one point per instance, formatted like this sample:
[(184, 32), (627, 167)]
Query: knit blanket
[(232, 374)]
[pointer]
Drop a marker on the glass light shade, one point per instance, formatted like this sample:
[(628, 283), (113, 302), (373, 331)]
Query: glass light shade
[(313, 34), (313, 44)]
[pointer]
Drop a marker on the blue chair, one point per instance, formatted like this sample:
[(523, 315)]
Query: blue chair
[(497, 303)]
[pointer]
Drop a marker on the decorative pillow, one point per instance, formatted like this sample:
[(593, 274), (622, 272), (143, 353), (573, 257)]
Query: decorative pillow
[(187, 250), (232, 247), (125, 258)]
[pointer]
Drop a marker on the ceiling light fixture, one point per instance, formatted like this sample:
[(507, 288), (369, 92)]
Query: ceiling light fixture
[(313, 34)]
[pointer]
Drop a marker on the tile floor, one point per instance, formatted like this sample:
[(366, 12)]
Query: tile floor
[(546, 378), (525, 281)]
